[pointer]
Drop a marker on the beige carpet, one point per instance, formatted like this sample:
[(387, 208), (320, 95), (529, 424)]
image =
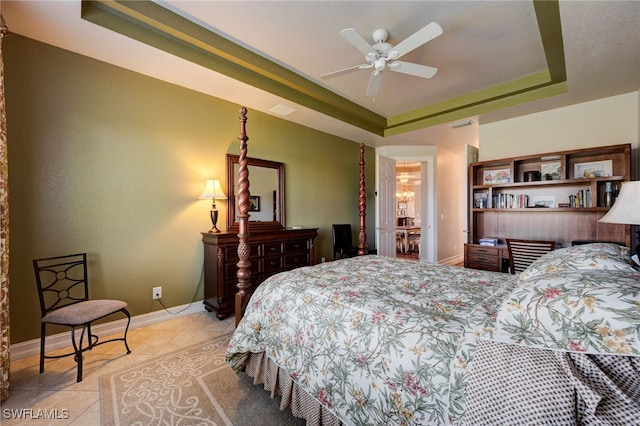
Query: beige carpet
[(193, 386)]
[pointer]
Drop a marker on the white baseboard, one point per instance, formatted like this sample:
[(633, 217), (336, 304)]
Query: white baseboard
[(453, 260), (62, 340)]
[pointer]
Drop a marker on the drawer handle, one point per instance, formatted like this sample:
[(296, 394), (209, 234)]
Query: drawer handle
[(272, 248)]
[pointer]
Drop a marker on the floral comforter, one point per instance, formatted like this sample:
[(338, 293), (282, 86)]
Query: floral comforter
[(376, 340)]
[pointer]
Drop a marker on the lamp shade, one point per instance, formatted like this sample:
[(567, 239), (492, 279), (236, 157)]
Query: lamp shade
[(626, 209), (212, 190)]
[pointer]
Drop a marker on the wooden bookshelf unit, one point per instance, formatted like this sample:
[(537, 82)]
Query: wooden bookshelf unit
[(556, 196)]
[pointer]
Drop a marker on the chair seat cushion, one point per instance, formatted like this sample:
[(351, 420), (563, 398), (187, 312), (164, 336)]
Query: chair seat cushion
[(83, 312)]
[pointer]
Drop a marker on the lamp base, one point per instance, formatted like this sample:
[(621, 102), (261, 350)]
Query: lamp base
[(214, 220)]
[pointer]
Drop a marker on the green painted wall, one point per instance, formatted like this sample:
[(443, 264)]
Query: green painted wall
[(111, 162)]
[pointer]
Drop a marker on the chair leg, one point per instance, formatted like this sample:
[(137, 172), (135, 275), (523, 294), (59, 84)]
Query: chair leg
[(43, 332), (78, 349), (126, 330), (92, 340)]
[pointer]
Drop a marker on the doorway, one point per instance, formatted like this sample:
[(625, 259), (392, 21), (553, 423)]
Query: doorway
[(408, 212), (386, 160)]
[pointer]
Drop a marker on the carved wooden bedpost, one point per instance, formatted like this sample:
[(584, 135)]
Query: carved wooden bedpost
[(362, 207), (244, 265)]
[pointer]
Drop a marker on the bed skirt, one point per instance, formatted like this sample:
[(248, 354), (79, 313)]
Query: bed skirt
[(278, 382)]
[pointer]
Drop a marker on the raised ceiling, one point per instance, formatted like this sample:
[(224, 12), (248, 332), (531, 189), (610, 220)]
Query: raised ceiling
[(495, 60)]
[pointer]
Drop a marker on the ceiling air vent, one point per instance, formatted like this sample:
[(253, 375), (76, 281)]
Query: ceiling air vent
[(283, 110)]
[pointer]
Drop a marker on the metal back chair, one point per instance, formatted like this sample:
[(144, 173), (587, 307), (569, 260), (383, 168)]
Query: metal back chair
[(343, 242), (523, 253), (63, 289)]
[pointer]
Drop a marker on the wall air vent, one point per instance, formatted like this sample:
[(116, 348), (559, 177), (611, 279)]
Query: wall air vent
[(461, 124)]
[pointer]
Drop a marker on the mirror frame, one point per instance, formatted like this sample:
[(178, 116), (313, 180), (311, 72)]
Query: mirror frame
[(232, 224)]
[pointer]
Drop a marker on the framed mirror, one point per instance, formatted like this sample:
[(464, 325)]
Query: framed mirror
[(266, 187)]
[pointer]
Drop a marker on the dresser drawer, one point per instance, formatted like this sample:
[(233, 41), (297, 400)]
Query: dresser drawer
[(296, 260), (483, 266), (295, 246), (271, 248), (482, 250), (272, 264)]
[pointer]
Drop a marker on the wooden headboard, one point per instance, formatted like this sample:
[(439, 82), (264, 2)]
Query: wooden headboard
[(244, 265)]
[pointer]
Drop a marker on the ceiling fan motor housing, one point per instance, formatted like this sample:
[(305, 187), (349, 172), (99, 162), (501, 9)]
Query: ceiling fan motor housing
[(380, 35)]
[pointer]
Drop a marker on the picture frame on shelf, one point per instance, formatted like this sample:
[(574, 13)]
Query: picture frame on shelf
[(496, 176), (593, 169), (551, 170), (254, 203), (481, 200)]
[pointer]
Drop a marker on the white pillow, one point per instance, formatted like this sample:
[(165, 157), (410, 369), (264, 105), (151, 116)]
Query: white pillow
[(599, 256)]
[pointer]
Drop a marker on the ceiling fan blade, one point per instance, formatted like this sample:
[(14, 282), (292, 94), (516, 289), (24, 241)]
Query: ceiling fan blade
[(423, 71), (352, 36), (345, 71), (374, 83), (417, 39)]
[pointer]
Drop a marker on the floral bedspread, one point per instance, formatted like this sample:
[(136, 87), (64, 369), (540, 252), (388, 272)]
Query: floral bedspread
[(376, 340)]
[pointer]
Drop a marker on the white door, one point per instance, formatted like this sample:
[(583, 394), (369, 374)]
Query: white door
[(386, 206)]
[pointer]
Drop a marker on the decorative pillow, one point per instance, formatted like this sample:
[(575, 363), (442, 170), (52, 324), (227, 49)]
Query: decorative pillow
[(607, 256), (593, 311)]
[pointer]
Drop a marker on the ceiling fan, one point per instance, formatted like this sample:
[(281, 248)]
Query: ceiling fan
[(383, 55)]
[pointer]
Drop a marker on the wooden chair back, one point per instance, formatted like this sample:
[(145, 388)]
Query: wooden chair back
[(523, 253)]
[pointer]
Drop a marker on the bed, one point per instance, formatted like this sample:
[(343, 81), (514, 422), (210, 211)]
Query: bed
[(377, 340)]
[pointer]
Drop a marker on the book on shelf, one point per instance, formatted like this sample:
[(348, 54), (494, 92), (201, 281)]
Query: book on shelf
[(510, 201), (488, 242)]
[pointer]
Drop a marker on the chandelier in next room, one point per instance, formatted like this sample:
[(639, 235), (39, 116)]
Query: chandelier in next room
[(405, 196)]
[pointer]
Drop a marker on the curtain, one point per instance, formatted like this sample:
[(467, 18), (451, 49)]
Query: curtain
[(4, 231)]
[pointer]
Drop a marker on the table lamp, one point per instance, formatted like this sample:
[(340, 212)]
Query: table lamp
[(626, 210), (213, 191)]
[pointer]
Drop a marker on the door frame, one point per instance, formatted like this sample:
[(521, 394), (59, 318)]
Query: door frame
[(426, 155)]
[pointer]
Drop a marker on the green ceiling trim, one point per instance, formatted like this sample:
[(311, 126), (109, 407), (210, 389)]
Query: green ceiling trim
[(152, 24), (500, 102), (548, 15), (500, 91)]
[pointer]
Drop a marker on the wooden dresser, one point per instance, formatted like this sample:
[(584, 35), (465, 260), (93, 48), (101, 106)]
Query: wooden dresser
[(270, 252), (488, 258)]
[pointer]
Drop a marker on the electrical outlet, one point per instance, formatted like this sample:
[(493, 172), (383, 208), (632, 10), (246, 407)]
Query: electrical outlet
[(157, 293)]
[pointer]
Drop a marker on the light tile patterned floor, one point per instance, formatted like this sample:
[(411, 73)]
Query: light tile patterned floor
[(55, 398)]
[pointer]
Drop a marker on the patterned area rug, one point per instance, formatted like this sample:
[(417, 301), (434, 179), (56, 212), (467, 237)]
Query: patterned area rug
[(191, 386)]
